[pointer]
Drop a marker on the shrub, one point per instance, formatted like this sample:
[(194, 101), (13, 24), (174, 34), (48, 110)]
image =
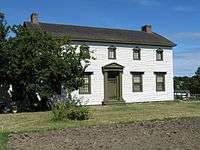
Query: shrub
[(78, 113), (64, 110), (59, 111)]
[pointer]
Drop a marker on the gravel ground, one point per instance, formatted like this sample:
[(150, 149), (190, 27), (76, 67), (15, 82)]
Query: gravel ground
[(168, 135)]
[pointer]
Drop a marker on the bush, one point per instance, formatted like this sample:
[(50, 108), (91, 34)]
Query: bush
[(59, 111), (64, 110), (78, 113)]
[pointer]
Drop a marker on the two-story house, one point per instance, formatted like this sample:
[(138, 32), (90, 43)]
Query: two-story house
[(130, 66)]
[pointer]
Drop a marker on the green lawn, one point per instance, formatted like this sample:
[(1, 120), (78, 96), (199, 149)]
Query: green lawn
[(3, 140), (101, 115)]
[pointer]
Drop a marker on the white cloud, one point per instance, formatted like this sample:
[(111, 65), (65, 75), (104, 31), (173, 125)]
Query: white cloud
[(146, 2), (181, 8), (186, 62), (191, 36), (142, 2)]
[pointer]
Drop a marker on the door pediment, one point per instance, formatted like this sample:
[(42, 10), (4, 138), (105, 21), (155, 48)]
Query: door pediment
[(113, 67)]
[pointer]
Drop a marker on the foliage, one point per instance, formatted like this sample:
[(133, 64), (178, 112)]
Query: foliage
[(59, 111), (4, 29), (70, 110), (188, 83), (197, 73), (37, 62), (78, 113)]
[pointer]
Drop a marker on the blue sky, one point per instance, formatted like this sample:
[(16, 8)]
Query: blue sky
[(176, 19)]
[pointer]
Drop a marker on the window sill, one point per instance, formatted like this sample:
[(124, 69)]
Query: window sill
[(84, 93)]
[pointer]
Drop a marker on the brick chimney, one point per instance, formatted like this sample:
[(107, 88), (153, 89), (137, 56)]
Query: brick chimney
[(147, 28), (34, 18)]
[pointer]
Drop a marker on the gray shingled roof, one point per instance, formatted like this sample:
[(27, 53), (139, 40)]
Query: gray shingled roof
[(105, 35)]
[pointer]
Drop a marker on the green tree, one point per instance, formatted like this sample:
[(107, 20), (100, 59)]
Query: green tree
[(196, 81), (188, 83), (4, 29), (197, 73), (36, 61), (182, 83)]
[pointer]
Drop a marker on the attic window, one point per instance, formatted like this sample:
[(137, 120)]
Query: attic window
[(159, 54), (112, 52), (136, 53)]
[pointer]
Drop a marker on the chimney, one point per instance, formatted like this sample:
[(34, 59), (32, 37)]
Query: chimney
[(147, 28), (34, 18)]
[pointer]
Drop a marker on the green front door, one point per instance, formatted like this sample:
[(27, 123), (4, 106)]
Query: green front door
[(112, 85)]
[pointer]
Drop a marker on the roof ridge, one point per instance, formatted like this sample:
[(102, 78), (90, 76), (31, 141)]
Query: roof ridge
[(89, 27)]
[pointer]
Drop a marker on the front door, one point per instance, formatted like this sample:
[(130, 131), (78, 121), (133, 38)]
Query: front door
[(112, 85)]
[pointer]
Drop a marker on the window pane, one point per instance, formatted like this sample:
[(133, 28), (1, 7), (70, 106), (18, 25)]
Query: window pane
[(160, 87), (160, 82), (84, 89), (111, 53), (137, 82), (160, 78), (135, 55), (137, 88), (159, 55), (86, 79), (137, 79)]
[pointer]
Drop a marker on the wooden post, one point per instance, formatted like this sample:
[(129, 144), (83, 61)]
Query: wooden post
[(120, 87), (105, 85)]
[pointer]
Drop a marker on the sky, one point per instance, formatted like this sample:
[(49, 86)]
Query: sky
[(178, 20)]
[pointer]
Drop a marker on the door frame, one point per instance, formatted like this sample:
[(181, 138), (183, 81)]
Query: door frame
[(113, 67), (113, 80)]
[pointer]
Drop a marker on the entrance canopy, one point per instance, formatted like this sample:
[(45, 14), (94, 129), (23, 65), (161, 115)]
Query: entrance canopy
[(113, 67)]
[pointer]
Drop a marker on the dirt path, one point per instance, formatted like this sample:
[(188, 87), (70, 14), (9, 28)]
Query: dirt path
[(170, 135)]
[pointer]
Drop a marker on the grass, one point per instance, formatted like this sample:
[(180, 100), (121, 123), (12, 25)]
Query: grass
[(101, 115), (3, 140)]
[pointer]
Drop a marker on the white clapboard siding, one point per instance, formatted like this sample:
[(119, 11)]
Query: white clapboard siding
[(124, 57)]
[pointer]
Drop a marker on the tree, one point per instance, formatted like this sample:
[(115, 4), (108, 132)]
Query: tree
[(197, 73), (188, 83), (37, 62), (196, 81), (182, 83), (4, 29)]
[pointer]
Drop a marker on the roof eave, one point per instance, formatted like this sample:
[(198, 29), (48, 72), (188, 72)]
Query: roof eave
[(121, 42)]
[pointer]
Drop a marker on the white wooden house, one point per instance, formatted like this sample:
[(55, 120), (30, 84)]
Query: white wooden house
[(130, 66)]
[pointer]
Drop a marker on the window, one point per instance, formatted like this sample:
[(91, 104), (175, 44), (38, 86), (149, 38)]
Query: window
[(86, 88), (159, 54), (112, 52), (136, 53), (86, 50), (160, 81), (137, 81)]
